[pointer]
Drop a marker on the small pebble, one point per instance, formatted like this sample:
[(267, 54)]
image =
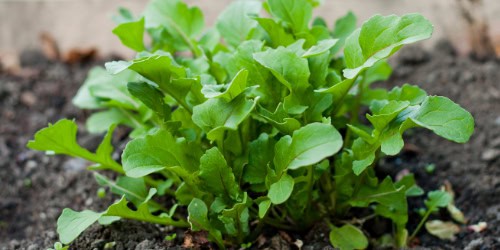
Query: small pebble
[(51, 234), (497, 121), (144, 245), (30, 165), (14, 243), (98, 244), (75, 165), (490, 154), (89, 202), (495, 142), (28, 99), (475, 244), (33, 247)]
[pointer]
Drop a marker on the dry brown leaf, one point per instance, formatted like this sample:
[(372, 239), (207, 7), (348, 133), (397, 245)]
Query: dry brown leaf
[(479, 227), (454, 211), (444, 230), (77, 55), (49, 46)]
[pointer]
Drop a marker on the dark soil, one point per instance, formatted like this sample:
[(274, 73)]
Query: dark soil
[(35, 188)]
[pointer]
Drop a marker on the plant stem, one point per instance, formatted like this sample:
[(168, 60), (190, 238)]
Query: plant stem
[(132, 118), (415, 232), (310, 183), (181, 102), (355, 112), (278, 224), (161, 221)]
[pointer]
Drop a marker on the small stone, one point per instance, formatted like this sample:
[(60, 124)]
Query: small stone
[(497, 121), (33, 247), (30, 165), (89, 202), (75, 165), (144, 245), (28, 99), (490, 154), (475, 244), (495, 142), (14, 243), (51, 234), (98, 244)]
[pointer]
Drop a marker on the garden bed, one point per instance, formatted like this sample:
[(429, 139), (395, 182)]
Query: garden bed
[(35, 188)]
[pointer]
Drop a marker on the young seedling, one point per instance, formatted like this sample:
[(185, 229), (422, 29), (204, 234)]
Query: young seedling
[(254, 123)]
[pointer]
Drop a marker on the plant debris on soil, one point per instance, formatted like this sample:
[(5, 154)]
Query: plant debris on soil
[(35, 187)]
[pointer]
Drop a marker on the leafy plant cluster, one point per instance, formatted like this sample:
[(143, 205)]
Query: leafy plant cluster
[(255, 122)]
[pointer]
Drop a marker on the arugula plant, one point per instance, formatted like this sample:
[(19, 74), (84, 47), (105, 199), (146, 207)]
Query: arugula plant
[(259, 121)]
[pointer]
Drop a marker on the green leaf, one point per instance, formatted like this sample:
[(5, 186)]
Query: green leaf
[(308, 145), (216, 115), (436, 113), (210, 41), (277, 34), (71, 223), (437, 199), (242, 58), (231, 90), (338, 91), (134, 189), (392, 118), (380, 37), (318, 66), (100, 122), (264, 206), (60, 138), (348, 237), (343, 27), (380, 71), (260, 155), (182, 23), (236, 218), (391, 201), (131, 34), (383, 115), (295, 13), (318, 103), (291, 70), (235, 23), (158, 67), (413, 94), (101, 86), (445, 118), (320, 48), (152, 97), (162, 69), (281, 190), (143, 213), (157, 151), (216, 176), (409, 185), (198, 212), (280, 119), (198, 218)]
